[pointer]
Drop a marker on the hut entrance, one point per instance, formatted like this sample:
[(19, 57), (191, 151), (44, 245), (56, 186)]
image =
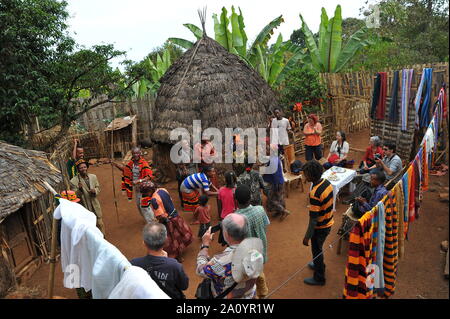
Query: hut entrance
[(17, 245)]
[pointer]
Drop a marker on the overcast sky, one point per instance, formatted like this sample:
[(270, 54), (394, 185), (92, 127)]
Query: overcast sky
[(138, 26)]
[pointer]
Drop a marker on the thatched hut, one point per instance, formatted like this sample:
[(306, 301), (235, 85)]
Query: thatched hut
[(26, 208), (209, 84), (124, 131)]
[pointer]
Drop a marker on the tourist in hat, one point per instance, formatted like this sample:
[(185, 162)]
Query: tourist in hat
[(87, 189), (179, 234), (236, 269)]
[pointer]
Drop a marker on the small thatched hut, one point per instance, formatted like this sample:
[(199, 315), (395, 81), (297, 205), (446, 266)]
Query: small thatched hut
[(212, 85), (26, 208)]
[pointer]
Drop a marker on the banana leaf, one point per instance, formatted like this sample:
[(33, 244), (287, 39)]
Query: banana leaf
[(195, 30), (242, 29), (263, 37), (312, 47), (186, 44), (354, 44), (323, 35), (275, 61), (262, 67), (291, 63), (238, 41), (166, 61), (333, 43)]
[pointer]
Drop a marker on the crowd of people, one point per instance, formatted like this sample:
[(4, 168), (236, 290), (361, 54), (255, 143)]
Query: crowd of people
[(240, 210)]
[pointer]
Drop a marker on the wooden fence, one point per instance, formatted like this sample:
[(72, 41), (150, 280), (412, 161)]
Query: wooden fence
[(351, 97)]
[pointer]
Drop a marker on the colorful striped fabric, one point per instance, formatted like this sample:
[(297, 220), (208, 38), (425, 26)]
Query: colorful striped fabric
[(405, 182), (381, 221), (360, 255), (426, 104), (398, 192), (407, 75), (390, 256), (425, 177), (381, 108), (418, 98)]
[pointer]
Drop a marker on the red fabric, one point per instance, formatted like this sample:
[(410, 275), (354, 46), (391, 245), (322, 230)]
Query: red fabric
[(179, 236), (333, 158), (381, 108), (203, 214), (412, 195), (226, 196), (371, 155)]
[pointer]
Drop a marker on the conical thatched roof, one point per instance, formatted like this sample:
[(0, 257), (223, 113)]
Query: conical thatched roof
[(212, 85), (22, 173)]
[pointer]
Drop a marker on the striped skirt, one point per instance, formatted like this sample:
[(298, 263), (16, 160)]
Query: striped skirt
[(190, 200)]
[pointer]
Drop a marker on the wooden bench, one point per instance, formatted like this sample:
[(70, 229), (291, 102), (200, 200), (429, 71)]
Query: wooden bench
[(290, 177)]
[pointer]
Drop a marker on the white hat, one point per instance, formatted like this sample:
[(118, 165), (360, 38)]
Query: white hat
[(247, 261)]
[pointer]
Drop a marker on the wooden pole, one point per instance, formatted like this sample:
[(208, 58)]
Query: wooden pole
[(51, 279), (112, 167)]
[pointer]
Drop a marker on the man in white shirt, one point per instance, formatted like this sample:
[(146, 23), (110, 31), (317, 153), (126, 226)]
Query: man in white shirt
[(279, 130)]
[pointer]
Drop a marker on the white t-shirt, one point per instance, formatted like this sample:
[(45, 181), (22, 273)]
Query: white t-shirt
[(279, 131), (344, 149)]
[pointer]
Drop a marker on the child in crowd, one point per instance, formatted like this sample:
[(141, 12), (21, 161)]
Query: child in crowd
[(226, 204), (202, 214)]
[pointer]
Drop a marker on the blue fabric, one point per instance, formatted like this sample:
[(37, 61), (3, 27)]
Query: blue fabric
[(405, 196), (198, 180), (393, 106), (380, 243), (425, 110), (277, 177)]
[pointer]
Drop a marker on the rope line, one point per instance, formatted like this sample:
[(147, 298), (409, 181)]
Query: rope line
[(330, 246)]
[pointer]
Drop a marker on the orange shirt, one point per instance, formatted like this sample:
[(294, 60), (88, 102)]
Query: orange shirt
[(312, 140)]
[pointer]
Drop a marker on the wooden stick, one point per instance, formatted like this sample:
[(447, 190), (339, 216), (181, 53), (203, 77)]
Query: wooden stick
[(112, 166), (51, 279)]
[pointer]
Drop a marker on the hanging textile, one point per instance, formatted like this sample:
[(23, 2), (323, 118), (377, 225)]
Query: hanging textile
[(405, 182), (426, 105), (378, 108), (407, 75), (417, 187), (379, 243), (425, 175), (375, 96), (360, 255), (398, 192), (411, 194), (422, 101), (393, 105), (390, 256), (442, 98), (381, 108)]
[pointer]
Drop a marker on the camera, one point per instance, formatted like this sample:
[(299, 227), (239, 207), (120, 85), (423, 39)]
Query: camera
[(216, 228), (377, 156)]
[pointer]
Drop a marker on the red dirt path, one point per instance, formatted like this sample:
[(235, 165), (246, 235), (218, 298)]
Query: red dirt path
[(420, 272)]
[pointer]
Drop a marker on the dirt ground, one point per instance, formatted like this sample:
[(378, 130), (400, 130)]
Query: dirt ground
[(420, 272)]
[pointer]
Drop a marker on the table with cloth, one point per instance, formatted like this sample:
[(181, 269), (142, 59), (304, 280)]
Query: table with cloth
[(345, 177)]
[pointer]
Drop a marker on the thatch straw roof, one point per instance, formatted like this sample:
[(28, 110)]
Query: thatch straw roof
[(22, 173), (212, 85)]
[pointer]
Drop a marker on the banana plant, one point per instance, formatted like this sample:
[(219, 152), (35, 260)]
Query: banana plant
[(329, 56), (235, 41), (275, 63), (150, 84)]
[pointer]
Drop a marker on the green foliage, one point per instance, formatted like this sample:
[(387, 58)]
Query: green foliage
[(328, 55), (45, 75), (410, 32), (301, 85)]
